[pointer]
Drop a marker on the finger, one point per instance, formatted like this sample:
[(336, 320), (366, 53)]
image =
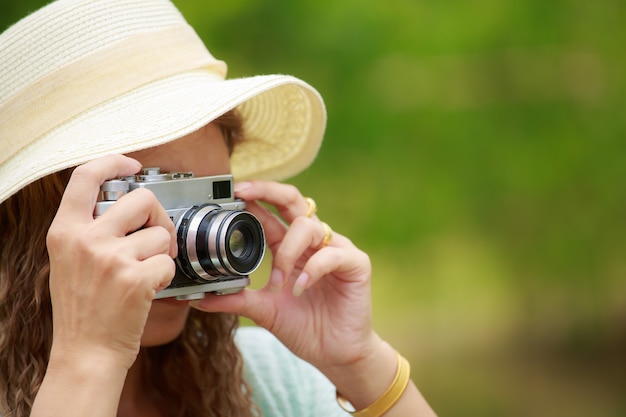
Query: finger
[(138, 209), (148, 242), (82, 190), (257, 305), (347, 264), (285, 197), (304, 233), (157, 271), (273, 227)]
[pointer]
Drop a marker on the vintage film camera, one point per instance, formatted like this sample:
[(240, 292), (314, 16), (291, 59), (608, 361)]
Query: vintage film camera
[(219, 243)]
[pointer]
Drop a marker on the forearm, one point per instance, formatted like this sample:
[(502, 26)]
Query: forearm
[(79, 387), (363, 383)]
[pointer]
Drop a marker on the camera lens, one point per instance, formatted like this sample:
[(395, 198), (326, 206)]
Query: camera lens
[(237, 243), (242, 243), (216, 242)]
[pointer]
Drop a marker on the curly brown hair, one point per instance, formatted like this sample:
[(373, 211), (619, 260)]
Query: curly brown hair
[(199, 373)]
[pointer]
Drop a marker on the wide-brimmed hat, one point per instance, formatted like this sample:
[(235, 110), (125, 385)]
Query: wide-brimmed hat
[(80, 79)]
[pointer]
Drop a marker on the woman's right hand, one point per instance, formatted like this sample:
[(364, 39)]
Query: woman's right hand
[(104, 272)]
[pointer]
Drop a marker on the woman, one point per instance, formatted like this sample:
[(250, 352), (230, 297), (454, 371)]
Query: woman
[(95, 90)]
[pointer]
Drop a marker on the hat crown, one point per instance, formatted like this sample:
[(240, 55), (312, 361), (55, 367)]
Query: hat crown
[(83, 53), (80, 79), (67, 30)]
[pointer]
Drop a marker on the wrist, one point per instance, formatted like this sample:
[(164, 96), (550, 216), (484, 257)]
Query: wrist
[(80, 383), (93, 362), (390, 397), (364, 381)]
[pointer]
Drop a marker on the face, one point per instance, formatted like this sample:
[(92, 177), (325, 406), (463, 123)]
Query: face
[(205, 153)]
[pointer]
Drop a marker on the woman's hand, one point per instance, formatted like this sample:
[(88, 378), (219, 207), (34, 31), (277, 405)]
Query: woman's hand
[(104, 272), (317, 300)]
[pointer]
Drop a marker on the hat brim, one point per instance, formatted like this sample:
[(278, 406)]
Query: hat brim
[(284, 122)]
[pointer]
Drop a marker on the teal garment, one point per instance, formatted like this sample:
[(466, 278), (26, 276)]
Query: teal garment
[(282, 384)]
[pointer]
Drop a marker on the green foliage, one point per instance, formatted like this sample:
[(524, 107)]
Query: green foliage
[(476, 151)]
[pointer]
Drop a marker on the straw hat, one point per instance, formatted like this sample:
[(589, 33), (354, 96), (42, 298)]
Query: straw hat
[(80, 79)]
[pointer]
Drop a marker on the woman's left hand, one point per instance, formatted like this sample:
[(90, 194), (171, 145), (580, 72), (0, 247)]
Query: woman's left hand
[(318, 299)]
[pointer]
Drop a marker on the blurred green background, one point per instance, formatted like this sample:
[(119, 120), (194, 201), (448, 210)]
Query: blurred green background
[(476, 150)]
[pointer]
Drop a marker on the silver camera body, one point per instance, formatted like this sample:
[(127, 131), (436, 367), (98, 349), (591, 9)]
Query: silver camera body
[(219, 243)]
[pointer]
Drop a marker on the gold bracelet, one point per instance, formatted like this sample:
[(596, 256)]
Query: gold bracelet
[(388, 399)]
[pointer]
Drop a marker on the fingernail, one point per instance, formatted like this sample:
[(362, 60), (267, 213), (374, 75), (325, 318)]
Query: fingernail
[(135, 162), (300, 285), (276, 280), (242, 186), (197, 304)]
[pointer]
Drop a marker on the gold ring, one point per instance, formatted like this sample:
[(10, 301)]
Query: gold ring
[(328, 236), (311, 207)]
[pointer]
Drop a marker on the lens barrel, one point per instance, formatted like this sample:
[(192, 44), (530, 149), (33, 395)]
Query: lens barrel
[(214, 242)]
